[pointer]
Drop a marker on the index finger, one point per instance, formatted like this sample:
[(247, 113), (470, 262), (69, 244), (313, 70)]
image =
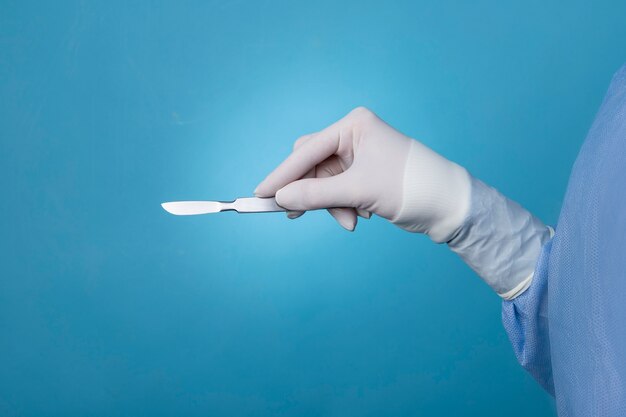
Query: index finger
[(320, 146)]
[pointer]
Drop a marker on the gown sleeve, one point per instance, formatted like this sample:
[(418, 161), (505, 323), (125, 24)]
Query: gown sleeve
[(525, 320), (569, 328)]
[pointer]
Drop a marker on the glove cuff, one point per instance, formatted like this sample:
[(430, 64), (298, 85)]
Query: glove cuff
[(500, 240), (436, 195)]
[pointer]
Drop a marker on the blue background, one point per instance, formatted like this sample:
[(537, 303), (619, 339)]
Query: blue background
[(109, 306)]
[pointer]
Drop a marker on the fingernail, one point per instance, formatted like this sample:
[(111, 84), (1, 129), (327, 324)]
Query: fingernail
[(348, 225)]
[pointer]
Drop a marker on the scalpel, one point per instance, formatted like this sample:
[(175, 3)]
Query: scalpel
[(240, 205)]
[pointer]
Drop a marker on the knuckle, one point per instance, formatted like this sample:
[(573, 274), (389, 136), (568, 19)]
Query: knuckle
[(362, 112), (300, 141), (361, 118)]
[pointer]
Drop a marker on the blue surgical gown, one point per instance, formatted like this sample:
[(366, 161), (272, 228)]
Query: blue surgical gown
[(569, 328)]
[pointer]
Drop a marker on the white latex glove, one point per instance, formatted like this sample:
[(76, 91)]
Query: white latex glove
[(358, 164), (361, 165)]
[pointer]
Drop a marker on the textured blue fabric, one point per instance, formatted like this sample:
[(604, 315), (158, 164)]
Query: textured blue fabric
[(526, 320), (569, 329)]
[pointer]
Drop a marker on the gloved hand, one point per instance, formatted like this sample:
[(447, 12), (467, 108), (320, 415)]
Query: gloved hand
[(361, 165)]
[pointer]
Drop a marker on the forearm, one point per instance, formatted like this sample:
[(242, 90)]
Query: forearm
[(495, 236), (500, 240)]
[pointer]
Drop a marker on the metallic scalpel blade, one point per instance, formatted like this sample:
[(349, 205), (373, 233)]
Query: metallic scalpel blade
[(240, 205)]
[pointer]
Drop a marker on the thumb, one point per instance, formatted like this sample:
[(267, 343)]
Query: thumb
[(317, 193)]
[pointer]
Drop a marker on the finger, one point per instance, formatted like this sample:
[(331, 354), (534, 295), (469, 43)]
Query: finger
[(346, 217), (313, 151), (317, 193), (294, 214), (363, 213)]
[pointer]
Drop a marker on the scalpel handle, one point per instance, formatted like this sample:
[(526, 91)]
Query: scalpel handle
[(253, 205)]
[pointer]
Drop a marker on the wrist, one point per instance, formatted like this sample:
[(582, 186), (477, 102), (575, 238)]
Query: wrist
[(435, 196)]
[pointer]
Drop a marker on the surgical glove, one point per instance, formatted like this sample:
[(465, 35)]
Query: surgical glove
[(361, 165)]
